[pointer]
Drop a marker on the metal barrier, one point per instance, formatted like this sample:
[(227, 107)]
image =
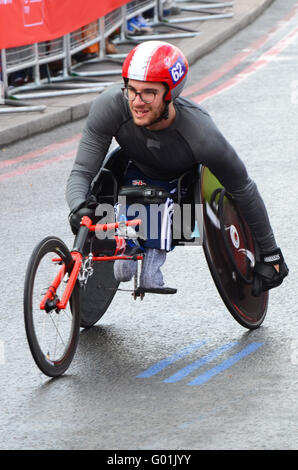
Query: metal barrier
[(137, 7), (38, 58), (13, 60), (104, 28), (52, 65), (207, 8), (129, 11)]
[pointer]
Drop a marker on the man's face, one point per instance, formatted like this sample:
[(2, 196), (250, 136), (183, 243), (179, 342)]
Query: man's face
[(146, 114)]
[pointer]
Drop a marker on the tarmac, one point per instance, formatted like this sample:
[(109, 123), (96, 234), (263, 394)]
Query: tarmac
[(59, 110)]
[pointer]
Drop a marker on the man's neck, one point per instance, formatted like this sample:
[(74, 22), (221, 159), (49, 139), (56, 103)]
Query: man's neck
[(158, 126)]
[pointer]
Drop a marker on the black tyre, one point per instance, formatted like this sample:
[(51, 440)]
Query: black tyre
[(230, 251), (53, 334)]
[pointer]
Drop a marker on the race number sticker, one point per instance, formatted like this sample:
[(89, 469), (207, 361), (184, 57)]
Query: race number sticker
[(178, 70)]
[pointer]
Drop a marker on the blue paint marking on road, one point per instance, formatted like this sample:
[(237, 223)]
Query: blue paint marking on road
[(170, 360), (203, 378), (200, 362)]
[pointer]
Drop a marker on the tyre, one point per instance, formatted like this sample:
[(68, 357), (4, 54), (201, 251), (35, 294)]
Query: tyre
[(231, 252), (52, 333)]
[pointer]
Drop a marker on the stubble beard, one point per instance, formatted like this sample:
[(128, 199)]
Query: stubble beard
[(155, 117)]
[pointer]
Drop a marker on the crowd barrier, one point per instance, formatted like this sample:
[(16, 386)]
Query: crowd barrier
[(38, 58), (203, 7)]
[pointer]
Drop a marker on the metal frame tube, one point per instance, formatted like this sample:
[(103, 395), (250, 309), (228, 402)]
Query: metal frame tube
[(201, 18), (207, 8), (4, 70), (13, 106), (206, 5)]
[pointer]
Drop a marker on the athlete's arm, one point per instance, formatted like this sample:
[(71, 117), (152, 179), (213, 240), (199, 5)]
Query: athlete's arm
[(102, 124), (220, 157)]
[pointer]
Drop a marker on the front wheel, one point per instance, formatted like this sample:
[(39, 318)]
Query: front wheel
[(52, 333)]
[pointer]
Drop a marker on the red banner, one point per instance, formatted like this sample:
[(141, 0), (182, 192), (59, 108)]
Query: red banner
[(28, 21)]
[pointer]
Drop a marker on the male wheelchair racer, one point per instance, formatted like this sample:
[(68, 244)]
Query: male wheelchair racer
[(69, 289), (228, 244)]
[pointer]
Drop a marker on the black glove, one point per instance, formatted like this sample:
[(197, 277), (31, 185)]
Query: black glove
[(267, 276), (86, 208)]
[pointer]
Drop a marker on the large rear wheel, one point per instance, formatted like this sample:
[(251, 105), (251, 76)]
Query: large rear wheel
[(231, 252)]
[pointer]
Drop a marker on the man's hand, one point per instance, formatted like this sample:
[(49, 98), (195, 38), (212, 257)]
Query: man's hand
[(270, 272), (87, 208)]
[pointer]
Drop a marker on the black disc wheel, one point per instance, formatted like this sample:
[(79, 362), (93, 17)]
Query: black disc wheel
[(52, 333), (97, 295), (102, 286), (231, 252)]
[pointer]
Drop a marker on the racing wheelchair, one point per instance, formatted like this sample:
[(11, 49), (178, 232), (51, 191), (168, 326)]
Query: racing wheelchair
[(66, 290)]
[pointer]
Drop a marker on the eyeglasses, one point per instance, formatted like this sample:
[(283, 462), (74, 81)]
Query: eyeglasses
[(147, 96)]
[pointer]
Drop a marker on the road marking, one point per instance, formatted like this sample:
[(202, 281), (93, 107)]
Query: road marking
[(37, 165), (206, 376), (240, 57), (170, 360), (40, 151), (199, 363), (252, 68)]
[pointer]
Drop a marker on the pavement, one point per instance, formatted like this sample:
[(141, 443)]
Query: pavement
[(59, 110)]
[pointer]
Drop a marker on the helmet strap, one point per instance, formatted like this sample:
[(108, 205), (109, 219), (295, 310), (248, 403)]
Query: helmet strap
[(165, 113)]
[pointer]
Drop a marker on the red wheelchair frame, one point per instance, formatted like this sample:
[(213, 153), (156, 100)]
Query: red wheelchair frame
[(78, 258)]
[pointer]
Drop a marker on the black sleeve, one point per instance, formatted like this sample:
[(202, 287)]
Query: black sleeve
[(222, 160), (102, 124)]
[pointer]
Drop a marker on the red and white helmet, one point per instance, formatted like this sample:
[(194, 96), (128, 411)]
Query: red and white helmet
[(157, 61)]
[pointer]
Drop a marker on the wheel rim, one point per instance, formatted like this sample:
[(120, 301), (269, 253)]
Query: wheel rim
[(52, 330)]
